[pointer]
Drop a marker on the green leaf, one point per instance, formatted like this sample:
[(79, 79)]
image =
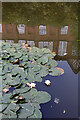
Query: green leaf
[(38, 78), (21, 90), (37, 114), (26, 111), (3, 107), (15, 81), (12, 107), (52, 63), (17, 55), (30, 95), (9, 114), (42, 97), (43, 60), (43, 72), (36, 68), (54, 72), (5, 98)]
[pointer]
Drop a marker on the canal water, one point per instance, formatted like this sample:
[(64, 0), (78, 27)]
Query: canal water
[(54, 26)]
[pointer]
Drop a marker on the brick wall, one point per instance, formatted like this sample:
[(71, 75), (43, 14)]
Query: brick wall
[(32, 33)]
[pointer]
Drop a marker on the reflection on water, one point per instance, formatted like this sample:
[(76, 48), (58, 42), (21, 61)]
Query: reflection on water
[(53, 26), (56, 39), (42, 30), (64, 30), (62, 48), (21, 28), (48, 45)]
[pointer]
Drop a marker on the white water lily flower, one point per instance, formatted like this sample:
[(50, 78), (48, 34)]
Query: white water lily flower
[(47, 82), (32, 85)]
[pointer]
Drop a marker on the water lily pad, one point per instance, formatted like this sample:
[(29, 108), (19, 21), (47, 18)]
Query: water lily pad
[(17, 70), (54, 72), (43, 72), (38, 78), (21, 90), (3, 115), (5, 98), (3, 107), (21, 66), (36, 105), (36, 68), (42, 97), (26, 111), (43, 60), (15, 81), (30, 95), (24, 58), (52, 63), (9, 114), (12, 107), (31, 78), (37, 114), (17, 55)]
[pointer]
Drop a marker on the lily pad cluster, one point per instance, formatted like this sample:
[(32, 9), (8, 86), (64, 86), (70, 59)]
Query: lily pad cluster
[(23, 103), (17, 67)]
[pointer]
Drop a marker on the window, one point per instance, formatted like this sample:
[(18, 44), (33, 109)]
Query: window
[(21, 28), (11, 41), (62, 48), (0, 28), (21, 41), (42, 30), (31, 43), (64, 30), (48, 45)]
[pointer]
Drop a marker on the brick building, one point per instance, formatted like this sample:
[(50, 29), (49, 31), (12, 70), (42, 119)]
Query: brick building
[(55, 38)]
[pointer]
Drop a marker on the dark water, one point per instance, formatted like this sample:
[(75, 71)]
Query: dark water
[(65, 88), (54, 16)]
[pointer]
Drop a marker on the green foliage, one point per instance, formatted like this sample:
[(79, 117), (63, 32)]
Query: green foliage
[(24, 101)]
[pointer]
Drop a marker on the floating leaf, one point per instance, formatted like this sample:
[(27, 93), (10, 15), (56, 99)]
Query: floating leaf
[(12, 107), (62, 71), (3, 107), (42, 97), (54, 72), (5, 98), (37, 114), (26, 111), (21, 90), (52, 63), (21, 66), (43, 60)]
